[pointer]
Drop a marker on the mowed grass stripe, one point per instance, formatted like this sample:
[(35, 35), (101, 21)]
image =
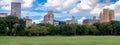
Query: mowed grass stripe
[(60, 40)]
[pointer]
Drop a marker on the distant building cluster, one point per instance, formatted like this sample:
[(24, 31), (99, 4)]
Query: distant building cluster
[(72, 21), (3, 14), (49, 19), (16, 11), (106, 15), (28, 21), (90, 21)]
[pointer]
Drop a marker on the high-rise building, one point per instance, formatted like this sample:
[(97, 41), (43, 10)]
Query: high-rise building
[(28, 21), (106, 15), (56, 22), (16, 9), (49, 18), (90, 21), (111, 15), (3, 14), (72, 21)]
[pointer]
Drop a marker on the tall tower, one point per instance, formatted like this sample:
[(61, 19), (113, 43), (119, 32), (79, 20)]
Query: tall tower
[(107, 15), (94, 18), (28, 21), (111, 14), (49, 18), (73, 18), (16, 9)]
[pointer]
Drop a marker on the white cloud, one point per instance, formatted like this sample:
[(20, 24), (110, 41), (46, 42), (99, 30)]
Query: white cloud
[(97, 9), (87, 4), (28, 3), (6, 7), (80, 21), (38, 21), (67, 19), (74, 11), (61, 5), (74, 8), (6, 4), (115, 6), (30, 13), (65, 7)]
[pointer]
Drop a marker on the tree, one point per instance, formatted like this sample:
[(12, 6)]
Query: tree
[(67, 30), (116, 27), (36, 30), (11, 21), (20, 27), (92, 30), (81, 30), (104, 28), (3, 28), (53, 30)]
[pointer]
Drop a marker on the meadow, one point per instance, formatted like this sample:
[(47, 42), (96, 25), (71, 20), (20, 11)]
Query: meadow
[(60, 40)]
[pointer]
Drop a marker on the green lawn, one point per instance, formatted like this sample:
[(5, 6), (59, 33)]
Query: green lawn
[(61, 40)]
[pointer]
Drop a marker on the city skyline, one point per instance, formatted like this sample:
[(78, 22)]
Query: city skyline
[(62, 9)]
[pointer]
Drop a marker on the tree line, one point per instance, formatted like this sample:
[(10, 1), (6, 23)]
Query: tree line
[(13, 26)]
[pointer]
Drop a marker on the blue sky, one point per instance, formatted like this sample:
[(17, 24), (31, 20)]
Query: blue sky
[(63, 9)]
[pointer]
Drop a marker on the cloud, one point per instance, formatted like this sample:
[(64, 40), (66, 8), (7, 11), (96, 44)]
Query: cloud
[(28, 3), (115, 6), (97, 9), (32, 13), (71, 7), (80, 21), (67, 19), (87, 4), (61, 5), (6, 7), (79, 7), (6, 4), (38, 21), (63, 8)]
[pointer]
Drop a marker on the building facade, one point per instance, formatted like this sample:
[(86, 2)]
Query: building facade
[(90, 21), (72, 21), (28, 21), (3, 14), (106, 15), (59, 22), (16, 9), (49, 18)]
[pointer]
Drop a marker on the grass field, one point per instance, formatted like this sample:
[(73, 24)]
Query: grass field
[(60, 40)]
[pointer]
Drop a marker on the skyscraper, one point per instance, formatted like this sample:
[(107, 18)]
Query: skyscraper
[(111, 14), (72, 21), (49, 18), (16, 9), (90, 21), (28, 21), (3, 14), (106, 15)]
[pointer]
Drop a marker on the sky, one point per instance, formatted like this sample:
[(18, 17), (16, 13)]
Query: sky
[(62, 9)]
